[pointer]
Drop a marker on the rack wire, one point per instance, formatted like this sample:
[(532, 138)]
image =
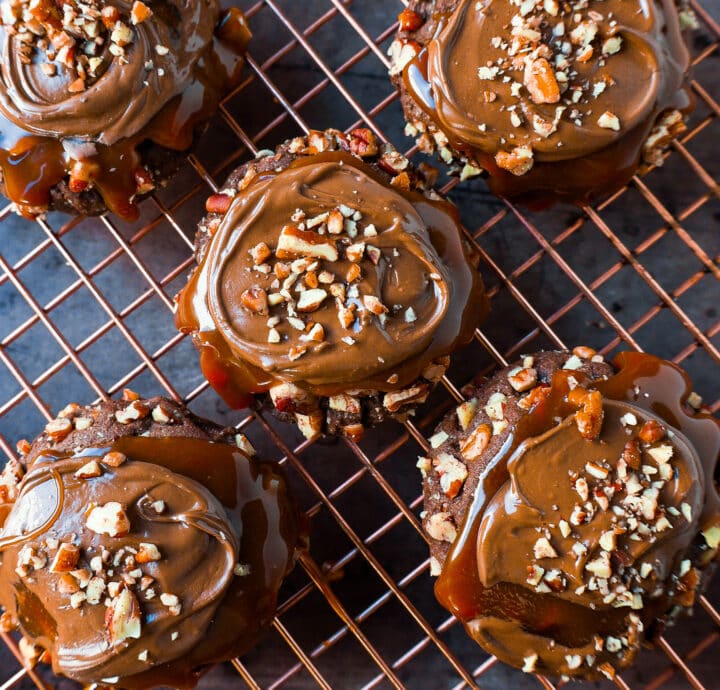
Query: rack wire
[(85, 311)]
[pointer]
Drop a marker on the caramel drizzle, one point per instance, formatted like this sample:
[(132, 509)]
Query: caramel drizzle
[(35, 480)]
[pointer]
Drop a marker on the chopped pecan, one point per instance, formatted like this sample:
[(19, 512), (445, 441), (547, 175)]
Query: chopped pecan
[(535, 396), (523, 380), (394, 400), (540, 81), (345, 403), (476, 443), (374, 305), (114, 459), (255, 299), (589, 417), (294, 243), (363, 142), (109, 519), (354, 432), (317, 142), (651, 431), (441, 527), (409, 20), (66, 559), (123, 620), (631, 454), (58, 429), (518, 161), (335, 222), (110, 15), (260, 253), (287, 397), (353, 273), (140, 12), (310, 300), (584, 352), (465, 412), (310, 425), (401, 181), (393, 162), (452, 473), (147, 553)]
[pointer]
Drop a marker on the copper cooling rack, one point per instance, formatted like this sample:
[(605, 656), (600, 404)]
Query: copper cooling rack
[(85, 311)]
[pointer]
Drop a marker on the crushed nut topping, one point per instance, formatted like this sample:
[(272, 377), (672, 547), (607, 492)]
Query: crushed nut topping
[(542, 59), (79, 36), (300, 276)]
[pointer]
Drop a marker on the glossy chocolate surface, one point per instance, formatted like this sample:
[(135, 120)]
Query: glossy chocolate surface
[(75, 105), (578, 85), (226, 534), (414, 296), (624, 541)]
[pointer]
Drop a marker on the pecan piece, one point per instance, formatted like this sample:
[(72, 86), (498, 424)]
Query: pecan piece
[(363, 142), (294, 243), (310, 300), (651, 431), (255, 299), (539, 79), (66, 559), (476, 443), (589, 417), (415, 394), (518, 161), (409, 20), (631, 454), (109, 519), (123, 620)]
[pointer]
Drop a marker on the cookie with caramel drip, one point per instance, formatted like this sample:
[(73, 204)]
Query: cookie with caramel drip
[(573, 509), (552, 101), (140, 544), (332, 283), (99, 100)]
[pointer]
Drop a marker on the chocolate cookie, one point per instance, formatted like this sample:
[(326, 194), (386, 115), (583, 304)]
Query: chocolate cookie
[(99, 101), (572, 508), (332, 284), (141, 544), (553, 100)]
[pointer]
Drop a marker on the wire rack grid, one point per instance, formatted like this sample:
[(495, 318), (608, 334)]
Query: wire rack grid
[(85, 311)]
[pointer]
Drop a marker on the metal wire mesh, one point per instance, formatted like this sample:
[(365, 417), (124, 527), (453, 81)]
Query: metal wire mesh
[(85, 310)]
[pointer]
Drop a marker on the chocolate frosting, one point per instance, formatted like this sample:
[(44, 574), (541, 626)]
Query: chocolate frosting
[(410, 257), (540, 490), (126, 94), (573, 547), (223, 543), (558, 81), (90, 87)]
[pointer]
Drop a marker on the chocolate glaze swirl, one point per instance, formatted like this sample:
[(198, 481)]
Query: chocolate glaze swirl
[(643, 78), (421, 266), (209, 524), (636, 81), (126, 95), (558, 611)]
